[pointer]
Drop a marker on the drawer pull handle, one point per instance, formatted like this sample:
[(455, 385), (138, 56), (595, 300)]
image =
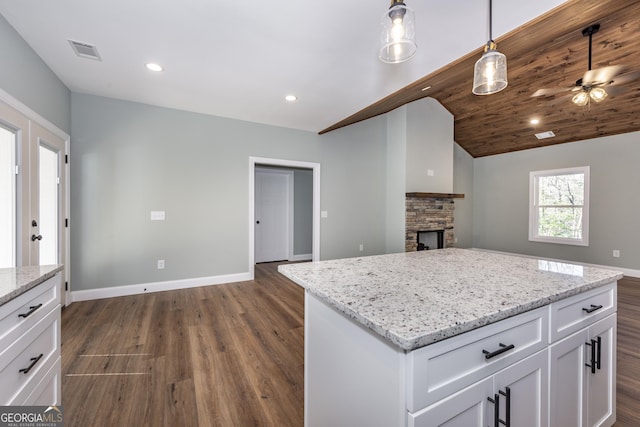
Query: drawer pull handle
[(592, 308), (34, 360), (31, 310), (488, 355)]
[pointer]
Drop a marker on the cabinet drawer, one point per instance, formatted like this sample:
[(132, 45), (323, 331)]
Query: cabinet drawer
[(20, 314), (47, 387), (574, 313), (443, 368), (35, 349)]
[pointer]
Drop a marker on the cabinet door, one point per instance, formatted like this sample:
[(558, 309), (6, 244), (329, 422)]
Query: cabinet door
[(522, 388), (601, 384), (567, 387), (467, 408)]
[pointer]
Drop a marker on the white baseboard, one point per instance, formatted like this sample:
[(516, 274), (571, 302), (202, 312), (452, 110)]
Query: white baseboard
[(303, 257), (626, 271), (118, 291)]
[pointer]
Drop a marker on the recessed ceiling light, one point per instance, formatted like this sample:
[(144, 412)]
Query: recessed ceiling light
[(534, 121), (291, 98), (154, 67)]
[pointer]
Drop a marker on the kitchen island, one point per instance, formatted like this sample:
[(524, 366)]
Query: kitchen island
[(430, 338)]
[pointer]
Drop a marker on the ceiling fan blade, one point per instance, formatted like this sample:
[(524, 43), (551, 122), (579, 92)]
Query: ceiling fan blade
[(550, 91), (613, 91), (601, 75), (626, 78)]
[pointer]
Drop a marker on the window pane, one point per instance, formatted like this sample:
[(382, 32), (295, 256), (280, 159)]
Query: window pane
[(561, 190), (560, 222), (7, 198), (48, 172)]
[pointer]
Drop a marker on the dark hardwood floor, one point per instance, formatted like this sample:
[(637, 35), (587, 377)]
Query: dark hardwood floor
[(628, 362), (227, 355)]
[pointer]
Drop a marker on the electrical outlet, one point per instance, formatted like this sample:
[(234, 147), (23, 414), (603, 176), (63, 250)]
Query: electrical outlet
[(160, 264), (361, 247), (616, 253)]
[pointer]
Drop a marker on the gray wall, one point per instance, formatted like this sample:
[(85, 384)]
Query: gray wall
[(463, 184), (28, 79), (302, 212), (501, 200), (129, 159)]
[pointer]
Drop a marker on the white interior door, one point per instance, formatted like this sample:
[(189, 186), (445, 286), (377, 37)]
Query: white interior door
[(48, 199), (272, 214)]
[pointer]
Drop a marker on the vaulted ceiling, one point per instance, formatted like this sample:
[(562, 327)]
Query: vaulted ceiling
[(239, 60), (548, 52)]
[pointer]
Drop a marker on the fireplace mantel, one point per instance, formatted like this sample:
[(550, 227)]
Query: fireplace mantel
[(436, 195)]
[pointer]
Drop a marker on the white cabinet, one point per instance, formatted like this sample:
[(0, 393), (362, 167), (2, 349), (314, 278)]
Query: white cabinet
[(582, 381), (529, 370), (515, 396), (30, 347)]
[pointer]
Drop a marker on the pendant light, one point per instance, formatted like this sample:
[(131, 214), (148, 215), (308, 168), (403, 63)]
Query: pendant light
[(490, 74), (398, 41)]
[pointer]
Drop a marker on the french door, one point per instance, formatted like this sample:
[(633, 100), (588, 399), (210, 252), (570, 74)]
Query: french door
[(32, 193)]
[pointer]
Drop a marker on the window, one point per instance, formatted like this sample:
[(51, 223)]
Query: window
[(8, 198), (559, 206)]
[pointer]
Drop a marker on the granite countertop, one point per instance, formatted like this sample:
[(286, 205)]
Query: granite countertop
[(16, 281), (417, 298)]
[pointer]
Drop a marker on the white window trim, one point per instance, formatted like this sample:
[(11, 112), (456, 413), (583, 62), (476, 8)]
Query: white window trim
[(533, 211)]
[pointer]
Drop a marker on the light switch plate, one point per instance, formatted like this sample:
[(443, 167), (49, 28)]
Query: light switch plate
[(324, 214)]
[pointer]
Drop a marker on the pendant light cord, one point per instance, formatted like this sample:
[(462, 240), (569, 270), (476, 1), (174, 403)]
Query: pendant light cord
[(490, 21)]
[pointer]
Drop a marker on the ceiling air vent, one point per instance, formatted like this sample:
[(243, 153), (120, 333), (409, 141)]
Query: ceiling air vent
[(85, 50), (544, 135)]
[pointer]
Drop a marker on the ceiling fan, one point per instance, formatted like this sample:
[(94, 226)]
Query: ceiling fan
[(591, 87)]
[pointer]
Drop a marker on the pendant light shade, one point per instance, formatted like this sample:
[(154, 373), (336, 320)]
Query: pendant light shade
[(490, 73), (398, 39)]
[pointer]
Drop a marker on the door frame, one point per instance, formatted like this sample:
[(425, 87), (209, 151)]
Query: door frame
[(66, 207), (315, 167)]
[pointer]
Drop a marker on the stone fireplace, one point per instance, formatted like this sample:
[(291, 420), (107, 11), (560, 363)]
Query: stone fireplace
[(429, 213)]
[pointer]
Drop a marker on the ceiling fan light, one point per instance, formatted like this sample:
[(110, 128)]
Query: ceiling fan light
[(598, 94), (580, 99), (398, 39), (490, 72)]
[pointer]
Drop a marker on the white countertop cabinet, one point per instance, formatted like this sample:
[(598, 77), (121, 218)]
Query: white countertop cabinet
[(30, 368), (366, 365)]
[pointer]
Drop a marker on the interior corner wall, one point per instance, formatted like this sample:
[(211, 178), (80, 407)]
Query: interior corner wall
[(429, 147), (463, 165), (396, 179), (501, 200), (129, 159), (28, 79)]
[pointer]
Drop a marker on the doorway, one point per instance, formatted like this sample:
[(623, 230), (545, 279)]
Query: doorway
[(256, 165)]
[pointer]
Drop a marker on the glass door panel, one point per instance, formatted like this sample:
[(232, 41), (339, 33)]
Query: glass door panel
[(8, 199), (49, 204)]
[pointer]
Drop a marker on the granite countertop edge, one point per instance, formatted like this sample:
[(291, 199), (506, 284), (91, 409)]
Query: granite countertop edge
[(21, 286), (413, 343)]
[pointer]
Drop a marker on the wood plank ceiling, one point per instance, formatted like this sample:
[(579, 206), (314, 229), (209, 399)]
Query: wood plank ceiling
[(547, 52)]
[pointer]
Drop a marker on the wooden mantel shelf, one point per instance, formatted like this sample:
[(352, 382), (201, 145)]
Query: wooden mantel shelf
[(436, 195)]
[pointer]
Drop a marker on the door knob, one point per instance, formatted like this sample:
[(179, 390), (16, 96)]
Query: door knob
[(257, 222), (34, 237), (34, 223)]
